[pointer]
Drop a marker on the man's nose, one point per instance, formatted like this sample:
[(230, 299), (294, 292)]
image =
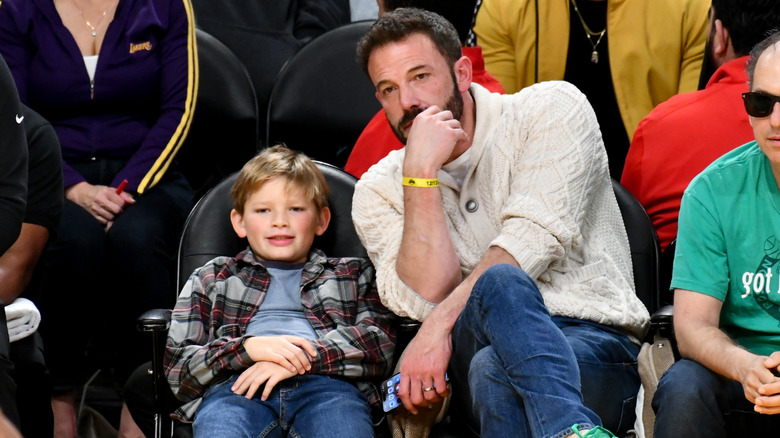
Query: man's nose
[(774, 117), (408, 98)]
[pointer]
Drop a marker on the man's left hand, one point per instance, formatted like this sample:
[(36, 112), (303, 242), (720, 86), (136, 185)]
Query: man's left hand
[(424, 367)]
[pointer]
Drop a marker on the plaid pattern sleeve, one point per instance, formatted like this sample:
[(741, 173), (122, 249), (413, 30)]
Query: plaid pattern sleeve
[(356, 332), (206, 338)]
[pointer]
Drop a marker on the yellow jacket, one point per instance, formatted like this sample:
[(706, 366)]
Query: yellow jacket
[(656, 47)]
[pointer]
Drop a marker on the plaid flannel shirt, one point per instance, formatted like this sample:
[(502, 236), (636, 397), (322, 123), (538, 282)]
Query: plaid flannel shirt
[(339, 296)]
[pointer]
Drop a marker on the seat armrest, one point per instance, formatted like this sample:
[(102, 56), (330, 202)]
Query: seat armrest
[(662, 316), (662, 324), (408, 325), (154, 320)]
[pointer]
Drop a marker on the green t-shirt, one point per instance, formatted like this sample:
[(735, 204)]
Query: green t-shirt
[(728, 245)]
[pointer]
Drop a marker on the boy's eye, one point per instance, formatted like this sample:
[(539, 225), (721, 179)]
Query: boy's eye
[(297, 209), (262, 210)]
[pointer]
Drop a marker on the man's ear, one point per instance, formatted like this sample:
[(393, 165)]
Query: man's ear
[(324, 221), (722, 50), (463, 73), (237, 219)]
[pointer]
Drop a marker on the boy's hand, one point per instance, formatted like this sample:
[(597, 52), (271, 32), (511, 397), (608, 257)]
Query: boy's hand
[(261, 372), (287, 351)]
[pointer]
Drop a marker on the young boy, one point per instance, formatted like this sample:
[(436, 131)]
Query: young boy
[(280, 340)]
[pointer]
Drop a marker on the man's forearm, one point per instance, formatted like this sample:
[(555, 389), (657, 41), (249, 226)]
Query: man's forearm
[(712, 348), (700, 338), (427, 261), (18, 263), (446, 313)]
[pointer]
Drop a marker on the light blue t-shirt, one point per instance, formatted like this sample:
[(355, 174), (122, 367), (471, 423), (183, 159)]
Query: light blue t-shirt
[(281, 312), (728, 245)]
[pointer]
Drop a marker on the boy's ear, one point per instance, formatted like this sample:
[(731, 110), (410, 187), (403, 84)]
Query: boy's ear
[(324, 221), (237, 219)]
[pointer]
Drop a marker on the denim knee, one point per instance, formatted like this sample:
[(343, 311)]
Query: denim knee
[(685, 384), (495, 406), (690, 401), (503, 281), (484, 370)]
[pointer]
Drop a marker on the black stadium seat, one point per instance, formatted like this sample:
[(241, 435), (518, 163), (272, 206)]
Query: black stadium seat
[(322, 100)]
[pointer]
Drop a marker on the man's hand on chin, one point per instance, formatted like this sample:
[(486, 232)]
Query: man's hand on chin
[(432, 140)]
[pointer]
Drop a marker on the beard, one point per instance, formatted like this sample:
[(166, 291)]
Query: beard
[(709, 65), (454, 104)]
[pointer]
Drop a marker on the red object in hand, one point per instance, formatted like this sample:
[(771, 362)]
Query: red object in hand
[(121, 187)]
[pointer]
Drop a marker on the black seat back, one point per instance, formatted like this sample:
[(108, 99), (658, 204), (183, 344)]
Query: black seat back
[(644, 245), (224, 133), (264, 35), (322, 100), (208, 232)]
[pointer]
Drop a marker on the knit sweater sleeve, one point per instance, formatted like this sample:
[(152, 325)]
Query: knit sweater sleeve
[(378, 214), (555, 168)]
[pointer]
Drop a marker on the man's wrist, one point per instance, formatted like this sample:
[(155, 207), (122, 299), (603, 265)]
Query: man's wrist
[(419, 171)]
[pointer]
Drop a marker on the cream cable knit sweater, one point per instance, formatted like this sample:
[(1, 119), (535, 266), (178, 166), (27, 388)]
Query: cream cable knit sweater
[(538, 172)]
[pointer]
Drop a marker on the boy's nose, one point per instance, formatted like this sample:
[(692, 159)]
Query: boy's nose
[(279, 219)]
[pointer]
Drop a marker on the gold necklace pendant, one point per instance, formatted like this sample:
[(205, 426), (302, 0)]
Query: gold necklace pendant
[(594, 56), (92, 28)]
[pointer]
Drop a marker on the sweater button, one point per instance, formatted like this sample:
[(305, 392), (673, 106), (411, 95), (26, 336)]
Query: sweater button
[(472, 206)]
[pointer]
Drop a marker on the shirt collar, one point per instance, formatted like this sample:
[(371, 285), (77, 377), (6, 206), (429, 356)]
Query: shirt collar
[(316, 259)]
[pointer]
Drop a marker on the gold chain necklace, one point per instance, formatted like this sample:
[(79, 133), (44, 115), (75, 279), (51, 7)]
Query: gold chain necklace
[(594, 57), (90, 25)]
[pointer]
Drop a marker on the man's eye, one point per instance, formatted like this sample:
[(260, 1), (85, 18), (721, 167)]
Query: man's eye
[(388, 90), (421, 76)]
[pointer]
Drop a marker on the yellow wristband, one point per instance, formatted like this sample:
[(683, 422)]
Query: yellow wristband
[(421, 182)]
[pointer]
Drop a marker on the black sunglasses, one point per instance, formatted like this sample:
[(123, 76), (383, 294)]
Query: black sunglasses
[(758, 104)]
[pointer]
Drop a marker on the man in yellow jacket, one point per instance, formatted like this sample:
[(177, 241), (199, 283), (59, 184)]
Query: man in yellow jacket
[(627, 56)]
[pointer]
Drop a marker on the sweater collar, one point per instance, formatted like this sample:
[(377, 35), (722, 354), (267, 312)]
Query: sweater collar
[(488, 111)]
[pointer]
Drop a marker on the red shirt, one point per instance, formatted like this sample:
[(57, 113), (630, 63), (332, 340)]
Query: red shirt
[(681, 137), (378, 139)]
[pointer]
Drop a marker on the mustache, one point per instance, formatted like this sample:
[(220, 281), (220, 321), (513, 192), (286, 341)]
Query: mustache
[(409, 116)]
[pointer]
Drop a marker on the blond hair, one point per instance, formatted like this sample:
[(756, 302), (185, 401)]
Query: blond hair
[(279, 161)]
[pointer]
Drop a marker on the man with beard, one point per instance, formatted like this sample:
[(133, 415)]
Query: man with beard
[(497, 227), (378, 138), (683, 135)]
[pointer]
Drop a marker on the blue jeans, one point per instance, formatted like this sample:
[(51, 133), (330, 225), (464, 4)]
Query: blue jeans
[(515, 368), (692, 401), (301, 406)]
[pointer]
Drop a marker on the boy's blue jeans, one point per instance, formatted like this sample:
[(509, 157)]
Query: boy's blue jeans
[(302, 406), (522, 369), (692, 401)]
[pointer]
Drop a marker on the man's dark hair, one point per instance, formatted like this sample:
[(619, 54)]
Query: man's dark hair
[(460, 13), (748, 21), (399, 24), (756, 53)]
